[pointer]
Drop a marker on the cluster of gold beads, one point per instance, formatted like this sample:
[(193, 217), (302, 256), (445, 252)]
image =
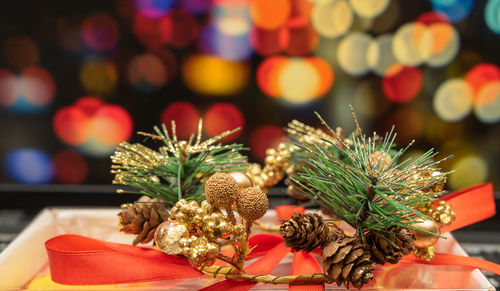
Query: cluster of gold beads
[(276, 162), (442, 214), (207, 224)]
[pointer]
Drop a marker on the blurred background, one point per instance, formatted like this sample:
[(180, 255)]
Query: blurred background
[(79, 77)]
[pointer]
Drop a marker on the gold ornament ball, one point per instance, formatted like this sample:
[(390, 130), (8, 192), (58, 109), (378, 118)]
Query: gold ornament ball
[(221, 190), (423, 239), (252, 203), (242, 179), (168, 235)]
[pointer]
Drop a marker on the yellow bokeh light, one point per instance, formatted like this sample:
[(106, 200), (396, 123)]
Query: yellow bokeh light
[(299, 81), (453, 100), (445, 44), (332, 18), (412, 44), (369, 8), (98, 76), (487, 105), (212, 75), (351, 53), (379, 55), (469, 171)]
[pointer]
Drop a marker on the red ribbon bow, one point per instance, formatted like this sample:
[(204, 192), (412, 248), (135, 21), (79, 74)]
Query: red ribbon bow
[(79, 260)]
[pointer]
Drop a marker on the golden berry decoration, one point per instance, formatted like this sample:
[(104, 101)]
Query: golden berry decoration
[(221, 190), (252, 203)]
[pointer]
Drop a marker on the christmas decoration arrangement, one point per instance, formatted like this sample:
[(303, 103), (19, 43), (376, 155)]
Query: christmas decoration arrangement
[(202, 200)]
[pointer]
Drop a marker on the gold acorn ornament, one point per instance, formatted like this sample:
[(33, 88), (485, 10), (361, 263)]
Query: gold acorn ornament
[(242, 179), (429, 236), (221, 190), (252, 204)]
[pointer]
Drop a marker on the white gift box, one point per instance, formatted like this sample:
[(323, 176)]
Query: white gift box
[(25, 259)]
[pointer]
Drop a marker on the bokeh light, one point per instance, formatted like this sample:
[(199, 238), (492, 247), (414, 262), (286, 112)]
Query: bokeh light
[(379, 56), (70, 167), (325, 72), (453, 100), (93, 126), (445, 44), (469, 170), (270, 14), (29, 166), (221, 117), (492, 15), (487, 103), (352, 51), (303, 40), (147, 73), (431, 17), (268, 42), (21, 52), (411, 45), (153, 8), (30, 92), (300, 13), (299, 81), (480, 75), (369, 8), (212, 75), (98, 75), (264, 137), (268, 75), (402, 83), (455, 10), (234, 47), (100, 31), (195, 6), (332, 18), (186, 118), (180, 29)]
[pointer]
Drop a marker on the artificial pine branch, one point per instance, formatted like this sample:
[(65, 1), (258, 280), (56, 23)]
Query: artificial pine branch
[(356, 182), (179, 168)]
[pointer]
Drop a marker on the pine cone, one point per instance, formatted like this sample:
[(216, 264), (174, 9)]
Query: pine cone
[(392, 247), (142, 217), (304, 231), (345, 260)]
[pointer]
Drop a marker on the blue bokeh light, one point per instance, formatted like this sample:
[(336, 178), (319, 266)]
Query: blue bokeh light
[(455, 10), (29, 166), (153, 8)]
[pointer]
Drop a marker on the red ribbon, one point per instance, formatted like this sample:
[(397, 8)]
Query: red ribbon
[(78, 260)]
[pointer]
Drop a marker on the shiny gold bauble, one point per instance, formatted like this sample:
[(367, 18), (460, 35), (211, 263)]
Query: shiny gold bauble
[(242, 179), (168, 234), (423, 239)]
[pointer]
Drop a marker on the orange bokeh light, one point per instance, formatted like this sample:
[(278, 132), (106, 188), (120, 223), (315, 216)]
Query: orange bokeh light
[(112, 124), (481, 75), (325, 72), (268, 14), (71, 125), (268, 74)]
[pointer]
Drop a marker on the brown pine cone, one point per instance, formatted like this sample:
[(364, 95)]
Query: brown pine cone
[(304, 231), (391, 247), (142, 217), (345, 260)]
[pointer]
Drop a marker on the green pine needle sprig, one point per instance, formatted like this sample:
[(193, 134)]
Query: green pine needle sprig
[(178, 169), (360, 185)]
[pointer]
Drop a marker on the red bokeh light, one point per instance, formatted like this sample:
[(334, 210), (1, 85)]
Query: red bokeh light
[(300, 13), (70, 167), (402, 83), (151, 32), (8, 88), (268, 42), (186, 118), (71, 125), (112, 124), (221, 117), (181, 28), (89, 104), (481, 75), (100, 31), (432, 17), (264, 137), (303, 40)]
